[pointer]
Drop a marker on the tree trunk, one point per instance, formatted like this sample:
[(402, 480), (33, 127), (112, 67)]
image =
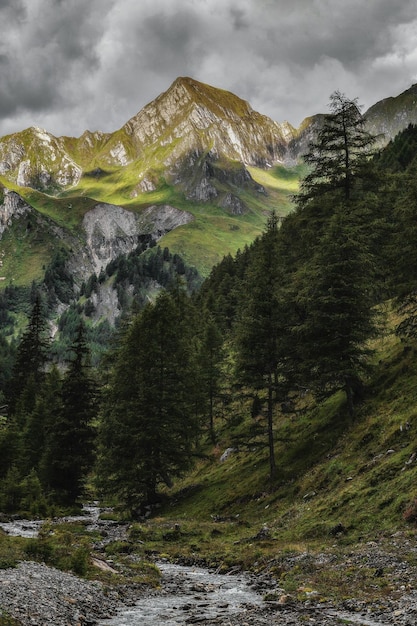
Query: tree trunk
[(349, 398), (272, 466)]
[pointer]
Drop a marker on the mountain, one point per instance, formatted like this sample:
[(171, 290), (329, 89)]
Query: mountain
[(391, 115), (189, 122), (193, 154), (197, 170)]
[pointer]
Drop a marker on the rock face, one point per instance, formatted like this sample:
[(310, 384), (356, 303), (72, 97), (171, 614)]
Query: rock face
[(191, 116), (13, 206), (111, 231), (391, 115), (173, 136), (35, 158)]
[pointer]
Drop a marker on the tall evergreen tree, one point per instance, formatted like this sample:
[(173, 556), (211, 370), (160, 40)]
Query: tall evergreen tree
[(336, 314), (40, 422), (31, 358), (338, 156), (339, 317), (210, 357), (150, 421), (261, 330), (69, 444)]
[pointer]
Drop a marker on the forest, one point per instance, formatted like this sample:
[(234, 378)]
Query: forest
[(296, 310)]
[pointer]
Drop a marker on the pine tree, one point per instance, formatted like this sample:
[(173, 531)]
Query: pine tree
[(210, 360), (338, 156), (336, 294), (338, 310), (69, 444), (40, 422), (261, 330), (31, 358), (150, 419)]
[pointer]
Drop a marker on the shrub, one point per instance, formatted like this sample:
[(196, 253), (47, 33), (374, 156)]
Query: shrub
[(410, 513), (80, 560)]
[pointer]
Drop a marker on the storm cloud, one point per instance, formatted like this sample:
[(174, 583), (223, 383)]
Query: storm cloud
[(72, 65)]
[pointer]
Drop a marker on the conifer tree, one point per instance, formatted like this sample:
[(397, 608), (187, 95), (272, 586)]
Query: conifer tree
[(338, 314), (335, 305), (69, 444), (338, 156), (40, 422), (210, 362), (31, 358), (150, 419), (262, 327)]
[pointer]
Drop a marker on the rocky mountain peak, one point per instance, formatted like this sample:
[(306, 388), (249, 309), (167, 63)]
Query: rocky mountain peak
[(388, 117), (193, 117)]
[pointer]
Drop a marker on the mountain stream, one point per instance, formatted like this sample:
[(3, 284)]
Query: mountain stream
[(188, 595)]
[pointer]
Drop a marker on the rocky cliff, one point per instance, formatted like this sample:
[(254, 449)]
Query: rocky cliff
[(185, 129), (391, 115), (190, 158), (111, 231)]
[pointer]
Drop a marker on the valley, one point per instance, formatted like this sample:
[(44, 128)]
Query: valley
[(218, 342)]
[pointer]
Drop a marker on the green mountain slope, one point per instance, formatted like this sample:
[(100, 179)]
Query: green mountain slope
[(391, 115), (188, 149), (202, 151), (331, 460)]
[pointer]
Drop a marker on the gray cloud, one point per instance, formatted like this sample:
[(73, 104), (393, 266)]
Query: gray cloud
[(72, 65)]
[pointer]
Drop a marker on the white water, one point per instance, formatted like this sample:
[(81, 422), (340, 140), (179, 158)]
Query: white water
[(30, 528), (22, 527), (189, 595)]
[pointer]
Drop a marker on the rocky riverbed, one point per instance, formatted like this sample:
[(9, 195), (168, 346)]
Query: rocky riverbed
[(37, 595)]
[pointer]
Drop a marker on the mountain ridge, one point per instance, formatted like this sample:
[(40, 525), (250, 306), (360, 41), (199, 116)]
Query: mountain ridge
[(189, 116), (201, 151)]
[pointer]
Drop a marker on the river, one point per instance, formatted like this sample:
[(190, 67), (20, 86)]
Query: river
[(189, 595), (30, 528)]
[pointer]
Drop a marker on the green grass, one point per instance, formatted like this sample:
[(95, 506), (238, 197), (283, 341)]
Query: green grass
[(279, 177), (331, 470), (69, 546), (213, 233), (25, 250)]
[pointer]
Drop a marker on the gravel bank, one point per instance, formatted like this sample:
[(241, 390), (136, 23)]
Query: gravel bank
[(37, 595)]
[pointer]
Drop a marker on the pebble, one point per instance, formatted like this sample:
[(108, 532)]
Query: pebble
[(38, 595)]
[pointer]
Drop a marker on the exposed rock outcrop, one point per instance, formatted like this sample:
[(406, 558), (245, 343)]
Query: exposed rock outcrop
[(13, 206), (193, 116), (112, 231), (35, 158)]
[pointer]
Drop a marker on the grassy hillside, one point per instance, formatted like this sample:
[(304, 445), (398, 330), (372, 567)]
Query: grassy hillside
[(337, 480), (211, 235)]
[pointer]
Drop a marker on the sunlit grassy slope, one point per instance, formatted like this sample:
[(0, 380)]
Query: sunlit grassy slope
[(331, 470), (213, 233)]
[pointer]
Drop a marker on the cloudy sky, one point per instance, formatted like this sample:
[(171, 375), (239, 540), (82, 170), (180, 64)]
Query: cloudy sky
[(71, 65)]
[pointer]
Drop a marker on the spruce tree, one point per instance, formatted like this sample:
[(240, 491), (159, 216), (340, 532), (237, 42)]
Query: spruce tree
[(210, 358), (338, 314), (335, 278), (337, 157), (40, 422), (261, 330), (69, 443), (31, 358), (150, 415)]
